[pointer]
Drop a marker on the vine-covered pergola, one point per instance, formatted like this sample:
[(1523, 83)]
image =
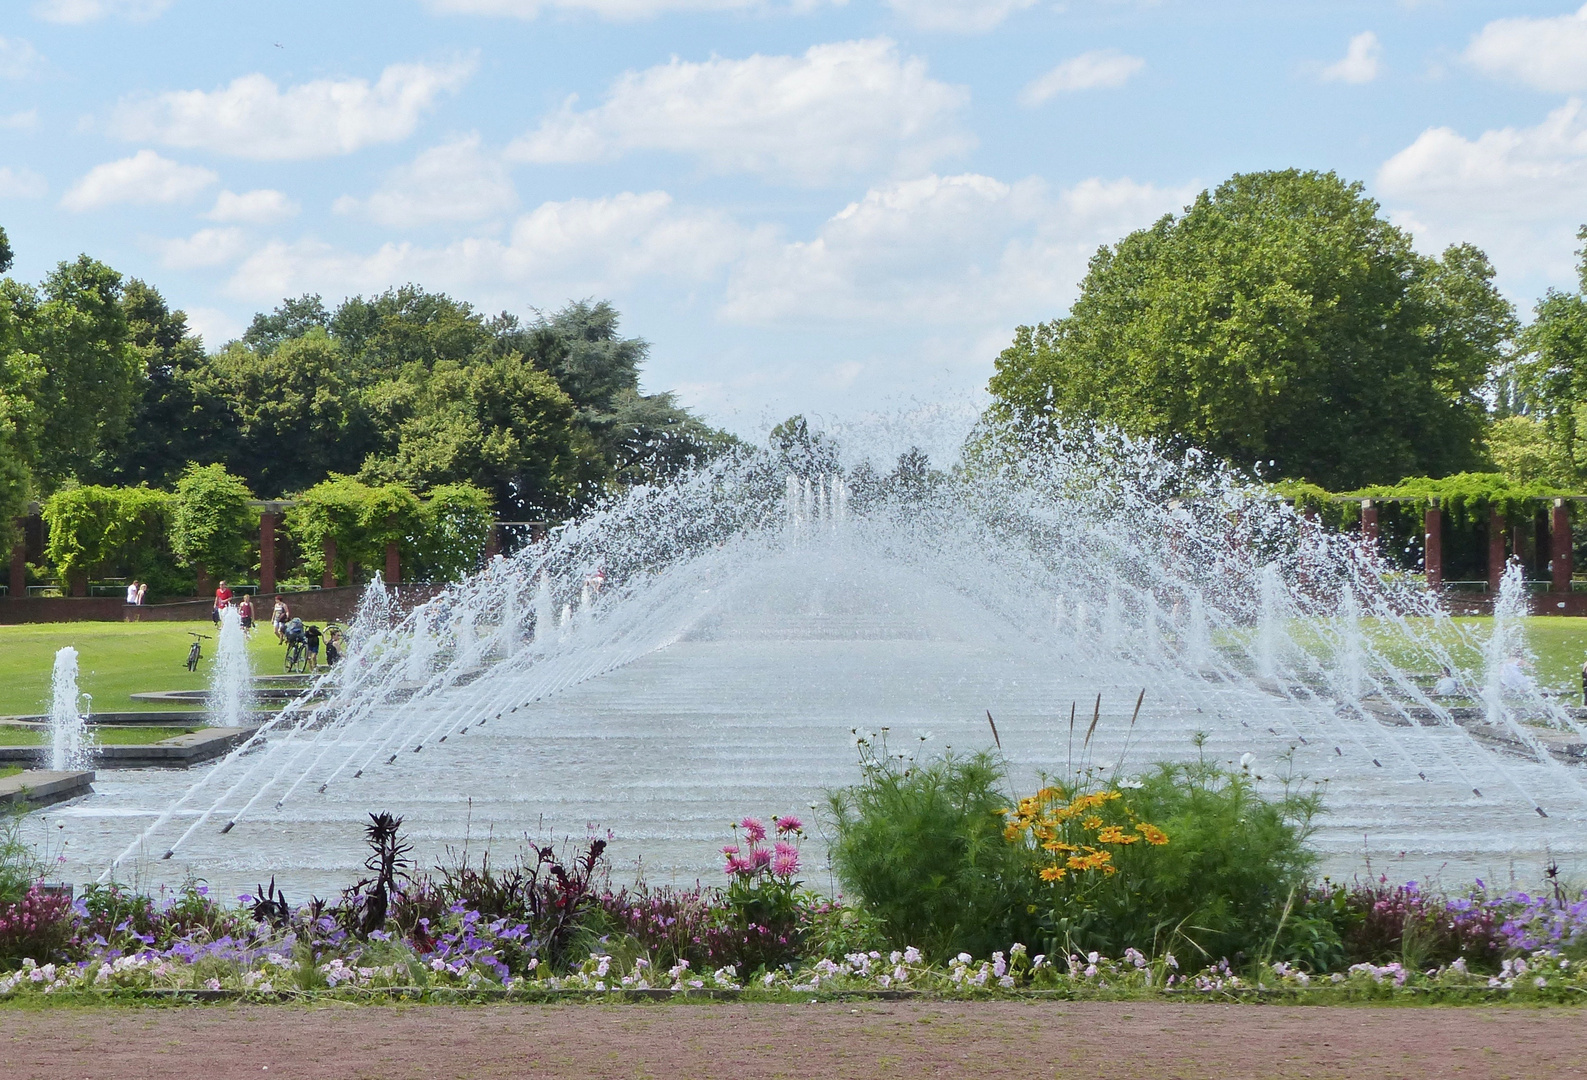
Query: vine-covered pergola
[(1461, 528)]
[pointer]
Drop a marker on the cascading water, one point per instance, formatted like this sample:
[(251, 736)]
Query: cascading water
[(1504, 654), (754, 612), (231, 675), (71, 746)]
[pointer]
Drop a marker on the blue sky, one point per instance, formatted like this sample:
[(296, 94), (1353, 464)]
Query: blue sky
[(809, 206)]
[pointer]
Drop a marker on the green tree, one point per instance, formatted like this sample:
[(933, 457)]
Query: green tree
[(94, 530), (87, 366), (1279, 318), (212, 523), (1548, 382)]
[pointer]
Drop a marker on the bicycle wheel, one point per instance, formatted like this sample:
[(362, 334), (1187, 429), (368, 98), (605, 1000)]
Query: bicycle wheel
[(192, 658)]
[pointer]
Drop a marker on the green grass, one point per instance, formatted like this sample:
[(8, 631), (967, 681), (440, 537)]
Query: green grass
[(114, 661), (104, 736)]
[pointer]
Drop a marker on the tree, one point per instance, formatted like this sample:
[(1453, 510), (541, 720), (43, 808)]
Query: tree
[(1548, 382), (212, 523), (1279, 319), (88, 369), (5, 251)]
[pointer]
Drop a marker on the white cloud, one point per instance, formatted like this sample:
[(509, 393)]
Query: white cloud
[(20, 121), (1547, 54), (260, 207), (452, 182), (21, 184), (965, 16), (1362, 61), (87, 11), (18, 58), (839, 108), (1517, 192), (205, 248), (617, 10), (254, 118), (1100, 69), (216, 327), (579, 247), (960, 251), (143, 178)]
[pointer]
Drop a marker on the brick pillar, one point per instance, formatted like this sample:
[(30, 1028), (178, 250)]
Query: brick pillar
[(492, 543), (201, 581), (77, 583), (393, 564), (267, 552), (19, 562), (1495, 549), (1560, 546), (328, 579), (1369, 525), (1433, 545)]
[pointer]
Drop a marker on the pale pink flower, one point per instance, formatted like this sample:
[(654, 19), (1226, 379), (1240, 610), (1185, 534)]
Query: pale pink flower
[(754, 829)]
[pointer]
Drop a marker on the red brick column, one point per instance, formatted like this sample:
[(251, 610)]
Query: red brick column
[(492, 542), (267, 552), (1433, 545), (1369, 525), (19, 562), (1560, 546), (328, 579), (393, 564), (1496, 526)]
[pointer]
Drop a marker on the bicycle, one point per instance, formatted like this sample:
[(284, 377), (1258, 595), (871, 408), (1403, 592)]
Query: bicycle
[(297, 657), (195, 651)]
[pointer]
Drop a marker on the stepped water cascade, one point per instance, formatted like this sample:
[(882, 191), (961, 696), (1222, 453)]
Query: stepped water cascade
[(707, 648), (71, 746), (231, 675)]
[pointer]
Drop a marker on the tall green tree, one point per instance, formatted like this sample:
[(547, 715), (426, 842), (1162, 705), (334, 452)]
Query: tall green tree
[(88, 370), (1548, 382), (1279, 319), (19, 374)]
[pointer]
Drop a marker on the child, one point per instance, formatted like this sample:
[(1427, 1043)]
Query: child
[(333, 643)]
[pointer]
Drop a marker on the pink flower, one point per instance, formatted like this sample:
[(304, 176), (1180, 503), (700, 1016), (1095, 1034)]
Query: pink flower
[(789, 824), (786, 862), (754, 829), (737, 864), (730, 850), (762, 857)]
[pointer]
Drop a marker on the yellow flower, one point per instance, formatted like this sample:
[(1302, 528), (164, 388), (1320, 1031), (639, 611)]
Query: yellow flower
[(1115, 834), (1093, 823), (1058, 845), (1094, 860), (1052, 873), (1152, 834)]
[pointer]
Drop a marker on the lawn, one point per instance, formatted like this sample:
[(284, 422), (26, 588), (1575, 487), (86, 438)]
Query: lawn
[(114, 661), (103, 736)]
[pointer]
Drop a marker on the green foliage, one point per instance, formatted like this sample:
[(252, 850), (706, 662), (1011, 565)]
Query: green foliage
[(454, 522), (94, 529), (1231, 879), (85, 369), (1279, 319), (1465, 496), (1548, 381), (212, 524), (442, 536), (5, 252), (922, 846), (1521, 448), (20, 865)]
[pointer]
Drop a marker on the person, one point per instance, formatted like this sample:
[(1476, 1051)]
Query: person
[(1448, 686), (278, 620), (143, 590), (312, 637), (1584, 683), (245, 614), (222, 598), (132, 591), (333, 645)]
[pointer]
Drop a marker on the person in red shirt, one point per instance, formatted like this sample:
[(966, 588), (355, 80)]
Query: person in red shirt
[(222, 598)]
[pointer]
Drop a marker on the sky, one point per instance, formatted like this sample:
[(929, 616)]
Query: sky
[(807, 206)]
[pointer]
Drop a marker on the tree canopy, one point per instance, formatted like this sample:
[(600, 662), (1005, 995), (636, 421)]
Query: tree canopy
[(1280, 319), (1544, 392)]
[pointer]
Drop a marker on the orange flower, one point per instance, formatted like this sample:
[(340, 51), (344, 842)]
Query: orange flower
[(1115, 834), (1052, 873), (1152, 834)]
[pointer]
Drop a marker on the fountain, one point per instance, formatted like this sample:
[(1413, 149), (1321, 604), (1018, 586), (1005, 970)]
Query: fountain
[(231, 675), (753, 614), (71, 745)]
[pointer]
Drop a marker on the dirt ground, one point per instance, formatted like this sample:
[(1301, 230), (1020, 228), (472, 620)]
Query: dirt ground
[(810, 1042)]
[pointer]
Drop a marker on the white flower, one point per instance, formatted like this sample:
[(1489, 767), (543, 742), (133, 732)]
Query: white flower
[(911, 955)]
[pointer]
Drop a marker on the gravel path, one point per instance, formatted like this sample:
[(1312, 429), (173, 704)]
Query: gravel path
[(810, 1042)]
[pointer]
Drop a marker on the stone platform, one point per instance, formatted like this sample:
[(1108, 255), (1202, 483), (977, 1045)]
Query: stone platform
[(41, 787), (174, 753)]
